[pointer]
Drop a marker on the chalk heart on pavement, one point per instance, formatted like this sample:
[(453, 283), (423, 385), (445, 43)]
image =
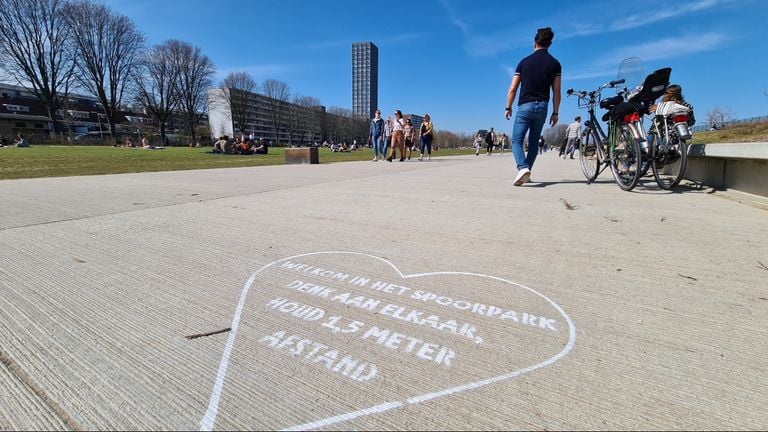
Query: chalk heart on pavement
[(327, 337)]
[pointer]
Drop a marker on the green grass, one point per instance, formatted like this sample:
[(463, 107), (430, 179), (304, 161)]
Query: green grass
[(63, 161), (750, 132)]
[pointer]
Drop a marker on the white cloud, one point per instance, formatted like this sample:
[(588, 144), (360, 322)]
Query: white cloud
[(669, 47), (607, 65), (571, 24)]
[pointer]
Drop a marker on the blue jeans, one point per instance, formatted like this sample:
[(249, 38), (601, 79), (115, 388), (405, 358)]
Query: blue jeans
[(377, 146), (529, 120), (385, 142), (426, 142)]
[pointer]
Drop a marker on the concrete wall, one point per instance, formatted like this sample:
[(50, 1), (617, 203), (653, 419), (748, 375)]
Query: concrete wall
[(739, 166)]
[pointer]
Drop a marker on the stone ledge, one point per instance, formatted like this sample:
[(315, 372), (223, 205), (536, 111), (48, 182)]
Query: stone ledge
[(752, 150), (738, 166)]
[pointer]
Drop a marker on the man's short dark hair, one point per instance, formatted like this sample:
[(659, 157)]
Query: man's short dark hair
[(578, 118), (544, 37)]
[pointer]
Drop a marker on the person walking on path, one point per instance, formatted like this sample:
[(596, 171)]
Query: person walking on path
[(387, 137), (478, 143), (425, 134), (502, 142), (535, 75), (409, 132), (572, 134), (375, 134), (490, 140), (398, 137)]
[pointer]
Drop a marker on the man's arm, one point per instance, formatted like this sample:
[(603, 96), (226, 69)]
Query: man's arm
[(511, 95), (556, 90)]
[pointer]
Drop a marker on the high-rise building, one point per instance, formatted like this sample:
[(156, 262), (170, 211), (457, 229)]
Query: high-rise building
[(365, 79)]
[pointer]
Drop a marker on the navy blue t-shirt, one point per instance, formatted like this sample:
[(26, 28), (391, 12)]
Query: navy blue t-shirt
[(537, 71)]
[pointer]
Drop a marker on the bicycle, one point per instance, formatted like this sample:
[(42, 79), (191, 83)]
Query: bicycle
[(620, 148), (593, 147), (669, 148)]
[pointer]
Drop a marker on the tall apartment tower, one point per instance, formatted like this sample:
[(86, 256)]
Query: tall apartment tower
[(365, 79)]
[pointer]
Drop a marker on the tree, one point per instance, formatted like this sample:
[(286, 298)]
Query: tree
[(156, 84), (194, 77), (306, 117), (278, 93), (107, 47), (720, 116), (238, 86), (34, 51)]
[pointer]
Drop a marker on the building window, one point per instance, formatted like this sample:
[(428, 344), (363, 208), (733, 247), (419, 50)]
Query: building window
[(21, 125), (39, 126)]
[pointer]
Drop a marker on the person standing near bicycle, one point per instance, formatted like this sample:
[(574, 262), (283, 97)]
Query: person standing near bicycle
[(572, 133), (535, 75)]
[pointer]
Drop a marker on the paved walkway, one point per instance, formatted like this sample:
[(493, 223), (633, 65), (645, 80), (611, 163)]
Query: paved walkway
[(379, 296)]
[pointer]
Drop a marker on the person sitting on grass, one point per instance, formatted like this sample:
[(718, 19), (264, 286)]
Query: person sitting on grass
[(21, 142), (262, 148), (3, 141)]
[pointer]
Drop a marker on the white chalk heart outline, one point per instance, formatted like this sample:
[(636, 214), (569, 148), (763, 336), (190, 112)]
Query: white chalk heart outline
[(206, 424)]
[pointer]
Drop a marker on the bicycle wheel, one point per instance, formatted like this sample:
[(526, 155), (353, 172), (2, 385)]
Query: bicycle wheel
[(588, 157), (669, 164), (624, 158)]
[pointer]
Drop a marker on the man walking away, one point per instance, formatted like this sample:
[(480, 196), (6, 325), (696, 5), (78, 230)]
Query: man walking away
[(535, 75), (490, 139), (572, 133)]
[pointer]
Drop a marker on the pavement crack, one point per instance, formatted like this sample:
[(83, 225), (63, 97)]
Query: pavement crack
[(40, 392)]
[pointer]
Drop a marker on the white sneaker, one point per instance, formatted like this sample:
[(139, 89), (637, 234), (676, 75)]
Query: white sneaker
[(421, 156), (429, 157), (374, 160), (522, 177)]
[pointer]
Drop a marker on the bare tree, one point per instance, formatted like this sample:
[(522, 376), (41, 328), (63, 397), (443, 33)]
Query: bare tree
[(238, 88), (278, 93), (195, 73), (307, 117), (720, 116), (156, 84), (33, 49), (107, 47)]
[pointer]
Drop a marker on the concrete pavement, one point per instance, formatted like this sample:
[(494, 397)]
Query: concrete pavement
[(416, 295)]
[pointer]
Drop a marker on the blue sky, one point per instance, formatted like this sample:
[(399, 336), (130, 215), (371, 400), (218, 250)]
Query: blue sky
[(454, 58)]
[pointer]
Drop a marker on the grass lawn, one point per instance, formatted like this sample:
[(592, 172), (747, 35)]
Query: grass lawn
[(750, 132), (62, 161)]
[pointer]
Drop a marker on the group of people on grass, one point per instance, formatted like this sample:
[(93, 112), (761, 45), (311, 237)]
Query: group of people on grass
[(242, 146), (20, 141), (390, 137)]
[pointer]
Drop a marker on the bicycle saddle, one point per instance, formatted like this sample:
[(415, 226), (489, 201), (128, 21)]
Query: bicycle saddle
[(611, 102)]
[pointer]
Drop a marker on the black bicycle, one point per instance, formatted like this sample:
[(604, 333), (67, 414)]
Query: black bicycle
[(620, 148), (593, 145)]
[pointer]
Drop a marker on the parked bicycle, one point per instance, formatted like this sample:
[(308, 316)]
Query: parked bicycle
[(669, 143), (626, 149), (620, 148), (593, 145)]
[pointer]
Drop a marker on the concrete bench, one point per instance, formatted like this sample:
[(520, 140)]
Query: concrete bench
[(739, 166), (304, 155)]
